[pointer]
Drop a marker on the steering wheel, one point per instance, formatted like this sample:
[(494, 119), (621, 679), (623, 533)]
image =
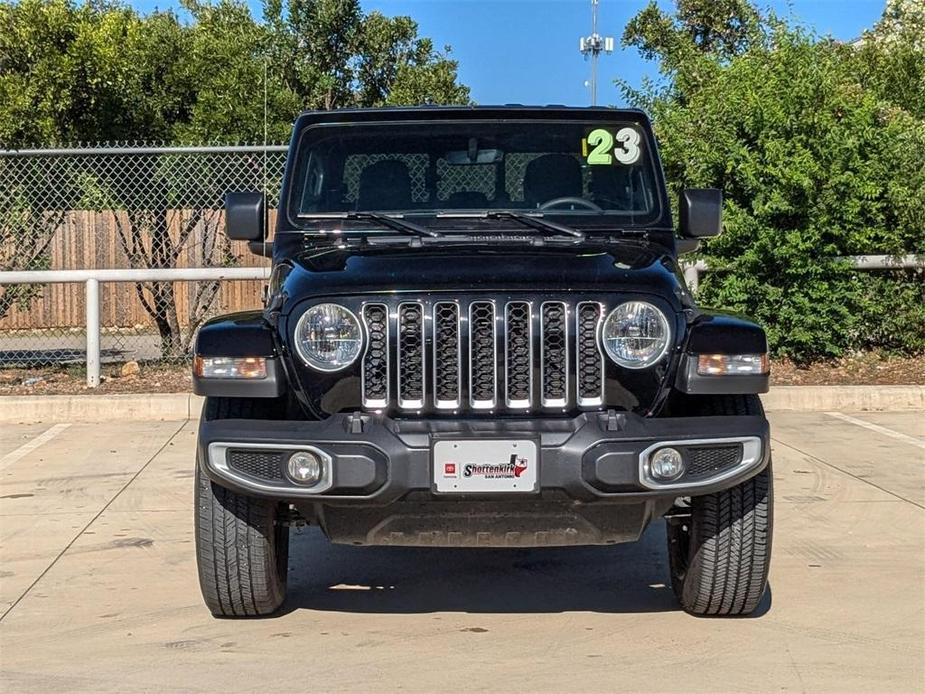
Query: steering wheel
[(556, 202)]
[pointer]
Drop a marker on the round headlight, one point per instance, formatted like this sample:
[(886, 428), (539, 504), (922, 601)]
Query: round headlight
[(636, 335), (328, 337)]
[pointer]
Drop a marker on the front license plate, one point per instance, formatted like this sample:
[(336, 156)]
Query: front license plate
[(485, 465)]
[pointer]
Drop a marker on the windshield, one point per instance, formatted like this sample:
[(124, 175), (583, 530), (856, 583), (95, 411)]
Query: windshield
[(465, 168)]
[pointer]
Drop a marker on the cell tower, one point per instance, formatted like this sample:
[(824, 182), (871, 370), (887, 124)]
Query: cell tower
[(592, 46)]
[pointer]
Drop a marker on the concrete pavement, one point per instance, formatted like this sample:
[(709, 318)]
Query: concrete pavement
[(98, 585)]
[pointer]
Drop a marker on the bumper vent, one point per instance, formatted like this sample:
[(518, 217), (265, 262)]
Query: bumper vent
[(480, 354), (703, 461), (264, 465)]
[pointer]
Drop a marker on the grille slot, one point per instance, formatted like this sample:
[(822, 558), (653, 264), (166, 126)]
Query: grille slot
[(589, 362), (475, 354), (265, 465), (518, 354), (375, 374), (410, 355), (709, 460), (483, 367), (447, 348), (554, 353)]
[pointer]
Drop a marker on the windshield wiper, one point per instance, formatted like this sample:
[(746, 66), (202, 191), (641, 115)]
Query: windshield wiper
[(536, 222), (383, 219), (532, 221)]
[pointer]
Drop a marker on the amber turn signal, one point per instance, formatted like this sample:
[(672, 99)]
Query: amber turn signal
[(230, 367), (732, 364)]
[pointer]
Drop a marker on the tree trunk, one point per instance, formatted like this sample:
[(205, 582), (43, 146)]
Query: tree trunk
[(162, 308), (165, 318)]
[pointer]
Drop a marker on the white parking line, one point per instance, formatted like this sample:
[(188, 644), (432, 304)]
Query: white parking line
[(879, 429), (30, 446)]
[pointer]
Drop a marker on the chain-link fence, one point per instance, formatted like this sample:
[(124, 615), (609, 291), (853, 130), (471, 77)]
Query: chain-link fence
[(133, 207), (142, 207)]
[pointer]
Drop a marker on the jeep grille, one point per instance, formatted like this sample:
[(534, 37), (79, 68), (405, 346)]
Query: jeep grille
[(479, 354)]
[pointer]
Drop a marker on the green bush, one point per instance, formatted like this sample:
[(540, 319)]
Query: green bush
[(818, 156)]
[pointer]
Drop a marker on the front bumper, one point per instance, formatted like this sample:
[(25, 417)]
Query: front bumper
[(375, 460)]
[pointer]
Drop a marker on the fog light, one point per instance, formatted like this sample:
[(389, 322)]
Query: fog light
[(666, 464), (305, 467)]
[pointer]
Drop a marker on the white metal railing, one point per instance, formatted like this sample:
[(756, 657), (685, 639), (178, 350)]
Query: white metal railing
[(858, 262), (92, 278)]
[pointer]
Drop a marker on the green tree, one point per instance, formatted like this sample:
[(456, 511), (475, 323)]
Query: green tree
[(818, 155), (229, 57), (398, 68), (90, 73), (100, 71), (889, 56), (73, 73)]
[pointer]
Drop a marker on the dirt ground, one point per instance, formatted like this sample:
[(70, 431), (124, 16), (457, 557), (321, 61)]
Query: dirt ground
[(861, 370), (865, 369), (72, 380)]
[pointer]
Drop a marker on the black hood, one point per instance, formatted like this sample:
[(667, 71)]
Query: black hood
[(626, 267)]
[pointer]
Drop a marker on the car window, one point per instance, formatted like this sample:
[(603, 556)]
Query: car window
[(427, 168)]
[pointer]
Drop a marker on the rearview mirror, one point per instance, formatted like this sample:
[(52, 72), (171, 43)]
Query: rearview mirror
[(244, 218), (701, 212), (481, 156)]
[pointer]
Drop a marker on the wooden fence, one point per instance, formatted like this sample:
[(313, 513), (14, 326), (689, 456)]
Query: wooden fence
[(88, 239)]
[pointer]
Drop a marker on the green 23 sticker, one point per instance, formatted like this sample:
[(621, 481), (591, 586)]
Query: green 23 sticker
[(603, 140)]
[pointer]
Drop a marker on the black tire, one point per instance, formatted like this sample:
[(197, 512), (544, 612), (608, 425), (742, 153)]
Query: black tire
[(720, 556), (242, 548)]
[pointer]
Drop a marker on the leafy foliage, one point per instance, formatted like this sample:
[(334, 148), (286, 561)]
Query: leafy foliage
[(101, 71), (819, 148)]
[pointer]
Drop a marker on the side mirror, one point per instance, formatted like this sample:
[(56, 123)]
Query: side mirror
[(701, 212), (244, 217)]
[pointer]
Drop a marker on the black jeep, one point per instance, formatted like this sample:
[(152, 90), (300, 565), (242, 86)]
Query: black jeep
[(476, 334)]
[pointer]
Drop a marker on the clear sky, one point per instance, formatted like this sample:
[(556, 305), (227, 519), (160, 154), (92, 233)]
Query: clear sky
[(526, 51)]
